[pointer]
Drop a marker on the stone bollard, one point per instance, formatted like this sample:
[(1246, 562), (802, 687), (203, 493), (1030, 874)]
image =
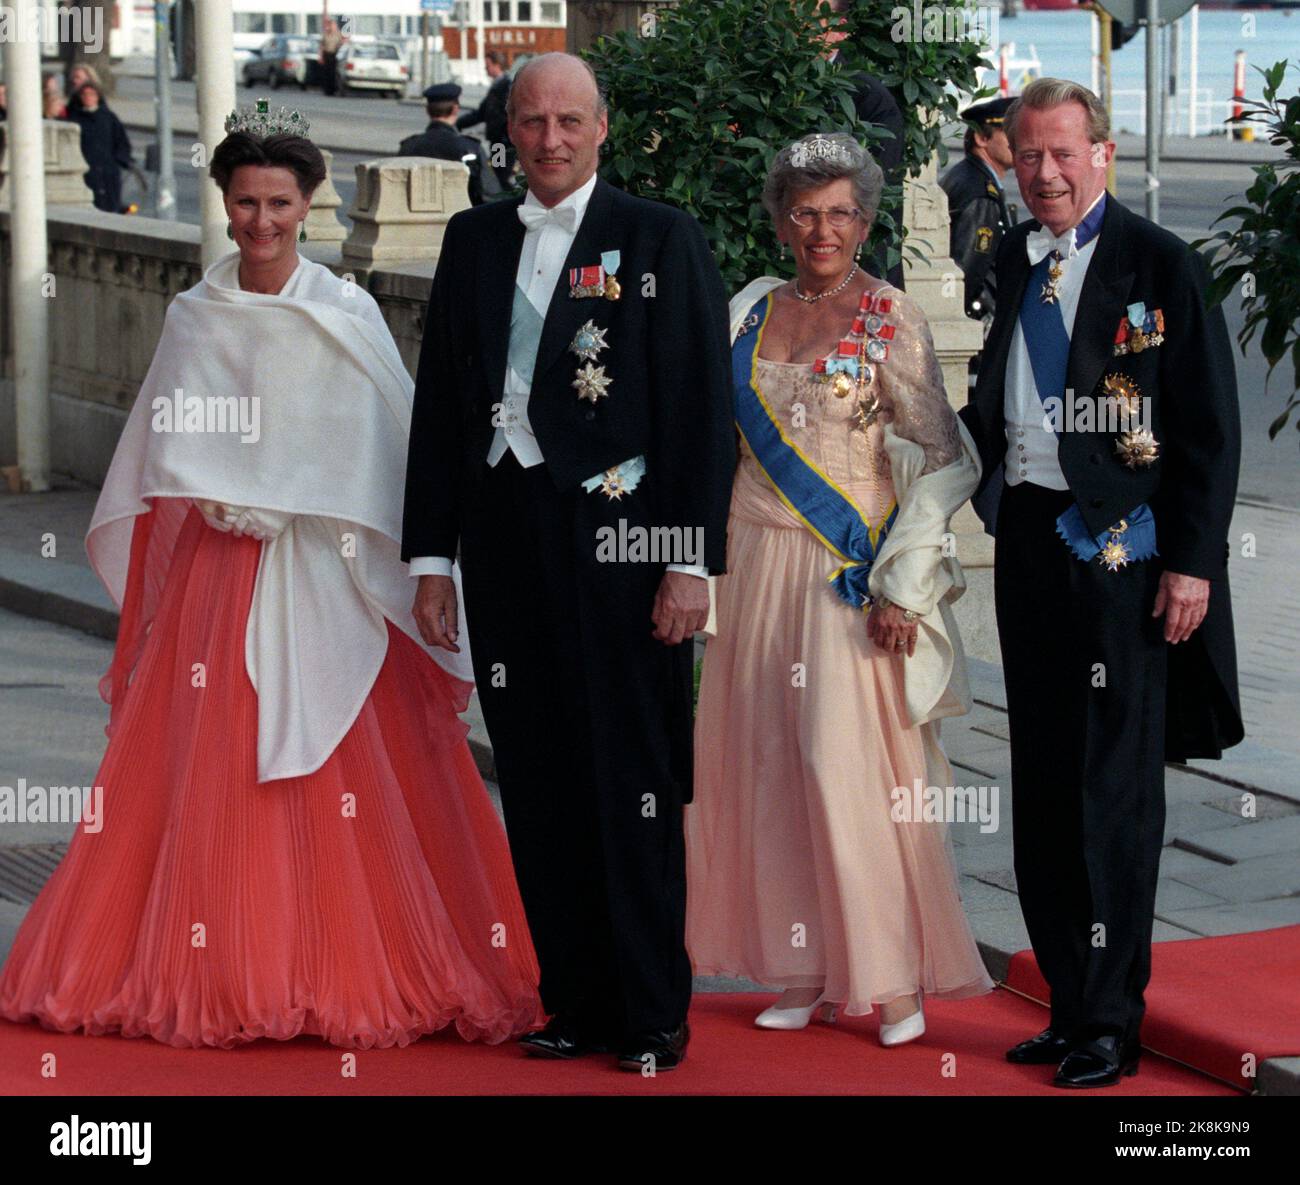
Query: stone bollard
[(65, 167), (323, 225), (935, 283), (402, 205)]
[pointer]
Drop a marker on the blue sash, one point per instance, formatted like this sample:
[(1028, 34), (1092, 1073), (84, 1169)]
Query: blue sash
[(826, 510), (1048, 346)]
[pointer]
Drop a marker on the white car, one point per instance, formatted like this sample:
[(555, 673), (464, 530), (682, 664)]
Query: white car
[(373, 66)]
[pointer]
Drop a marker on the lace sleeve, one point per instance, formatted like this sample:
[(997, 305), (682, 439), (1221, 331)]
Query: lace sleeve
[(912, 387)]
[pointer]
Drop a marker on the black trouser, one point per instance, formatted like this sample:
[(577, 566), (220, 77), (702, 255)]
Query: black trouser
[(589, 719), (1085, 668)]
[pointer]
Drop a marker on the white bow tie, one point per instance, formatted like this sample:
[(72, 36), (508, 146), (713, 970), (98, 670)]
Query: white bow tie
[(1041, 243), (535, 217)]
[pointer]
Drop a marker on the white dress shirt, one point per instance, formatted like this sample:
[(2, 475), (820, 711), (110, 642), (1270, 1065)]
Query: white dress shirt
[(1031, 442), (541, 260)]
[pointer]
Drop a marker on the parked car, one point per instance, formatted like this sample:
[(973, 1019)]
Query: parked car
[(372, 65), (282, 59)]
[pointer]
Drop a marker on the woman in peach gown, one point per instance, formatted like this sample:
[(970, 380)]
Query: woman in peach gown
[(804, 869), (295, 837)]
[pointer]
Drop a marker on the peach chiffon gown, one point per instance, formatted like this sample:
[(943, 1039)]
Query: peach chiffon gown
[(368, 903), (796, 874)]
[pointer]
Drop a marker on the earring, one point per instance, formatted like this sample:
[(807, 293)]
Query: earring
[(782, 250), (858, 253), (230, 229), (302, 233)]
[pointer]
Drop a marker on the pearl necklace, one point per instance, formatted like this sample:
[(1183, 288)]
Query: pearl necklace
[(830, 291)]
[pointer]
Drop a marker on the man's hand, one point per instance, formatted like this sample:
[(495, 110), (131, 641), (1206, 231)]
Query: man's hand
[(435, 611), (681, 607), (1183, 600)]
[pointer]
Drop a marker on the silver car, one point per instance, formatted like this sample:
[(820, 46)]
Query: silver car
[(372, 66)]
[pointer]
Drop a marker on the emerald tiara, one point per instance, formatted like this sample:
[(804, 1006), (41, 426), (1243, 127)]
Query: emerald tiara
[(258, 121)]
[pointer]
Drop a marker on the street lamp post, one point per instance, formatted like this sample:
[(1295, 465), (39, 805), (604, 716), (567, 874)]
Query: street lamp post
[(29, 251), (165, 207), (215, 42)]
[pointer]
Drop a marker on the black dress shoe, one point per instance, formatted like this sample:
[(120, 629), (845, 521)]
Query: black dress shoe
[(667, 1048), (1102, 1062), (565, 1036), (1047, 1049)]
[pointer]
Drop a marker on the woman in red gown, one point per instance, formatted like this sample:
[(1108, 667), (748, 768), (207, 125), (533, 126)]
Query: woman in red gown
[(295, 837)]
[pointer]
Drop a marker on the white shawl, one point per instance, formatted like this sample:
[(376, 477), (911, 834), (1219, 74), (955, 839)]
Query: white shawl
[(334, 402), (912, 570)]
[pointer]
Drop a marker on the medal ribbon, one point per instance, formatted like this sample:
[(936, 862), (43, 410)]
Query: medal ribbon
[(825, 509)]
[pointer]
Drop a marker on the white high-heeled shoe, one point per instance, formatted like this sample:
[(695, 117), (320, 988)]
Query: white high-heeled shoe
[(777, 1017), (907, 1029)]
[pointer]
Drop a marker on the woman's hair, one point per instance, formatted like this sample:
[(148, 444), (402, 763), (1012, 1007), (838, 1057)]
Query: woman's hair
[(92, 75), (284, 150), (813, 161)]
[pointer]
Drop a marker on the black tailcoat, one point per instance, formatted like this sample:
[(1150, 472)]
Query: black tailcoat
[(1191, 488), (590, 717)]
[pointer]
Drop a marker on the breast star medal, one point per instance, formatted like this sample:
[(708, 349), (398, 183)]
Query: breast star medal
[(1124, 393), (1137, 448), (588, 341), (592, 383), (1051, 290), (612, 485)]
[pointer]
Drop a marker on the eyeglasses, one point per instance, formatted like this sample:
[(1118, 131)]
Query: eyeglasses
[(838, 216)]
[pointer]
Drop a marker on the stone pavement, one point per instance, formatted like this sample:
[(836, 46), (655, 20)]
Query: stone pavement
[(1222, 872)]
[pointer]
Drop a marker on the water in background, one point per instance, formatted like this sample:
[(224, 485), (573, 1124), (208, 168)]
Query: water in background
[(1062, 41)]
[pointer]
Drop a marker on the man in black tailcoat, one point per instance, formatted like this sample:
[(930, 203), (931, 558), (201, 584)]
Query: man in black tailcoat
[(572, 436), (1106, 415)]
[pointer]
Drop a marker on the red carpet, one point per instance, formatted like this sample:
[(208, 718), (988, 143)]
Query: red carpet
[(960, 1054), (1212, 1001)]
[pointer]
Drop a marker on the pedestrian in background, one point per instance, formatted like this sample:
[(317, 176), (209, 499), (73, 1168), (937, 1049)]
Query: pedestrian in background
[(331, 40), (104, 144), (54, 105), (491, 113)]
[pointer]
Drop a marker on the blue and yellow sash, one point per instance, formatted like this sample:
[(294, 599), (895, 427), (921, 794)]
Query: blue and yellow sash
[(826, 510)]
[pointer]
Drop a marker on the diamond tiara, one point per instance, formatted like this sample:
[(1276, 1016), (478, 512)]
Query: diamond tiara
[(818, 148), (258, 121)]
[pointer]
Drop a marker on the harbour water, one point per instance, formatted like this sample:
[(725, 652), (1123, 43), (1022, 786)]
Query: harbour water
[(1061, 41)]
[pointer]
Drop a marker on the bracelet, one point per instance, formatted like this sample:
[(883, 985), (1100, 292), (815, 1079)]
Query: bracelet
[(909, 615)]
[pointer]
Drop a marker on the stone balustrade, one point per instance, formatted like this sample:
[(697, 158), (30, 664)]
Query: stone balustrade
[(65, 167)]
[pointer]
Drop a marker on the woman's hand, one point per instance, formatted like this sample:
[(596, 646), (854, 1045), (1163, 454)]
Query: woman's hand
[(216, 514), (889, 629)]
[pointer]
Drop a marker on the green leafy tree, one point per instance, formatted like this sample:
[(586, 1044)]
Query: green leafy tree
[(706, 93), (1261, 255)]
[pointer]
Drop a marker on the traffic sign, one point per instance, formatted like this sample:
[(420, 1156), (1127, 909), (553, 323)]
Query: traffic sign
[(1130, 12)]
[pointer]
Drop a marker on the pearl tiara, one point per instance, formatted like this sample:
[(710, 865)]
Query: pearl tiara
[(818, 148), (258, 121)]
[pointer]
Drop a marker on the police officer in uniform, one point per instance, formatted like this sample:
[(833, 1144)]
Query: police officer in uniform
[(977, 204), (442, 141)]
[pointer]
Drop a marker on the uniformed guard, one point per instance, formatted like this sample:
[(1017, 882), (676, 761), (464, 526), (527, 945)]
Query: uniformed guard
[(977, 204), (442, 141)]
